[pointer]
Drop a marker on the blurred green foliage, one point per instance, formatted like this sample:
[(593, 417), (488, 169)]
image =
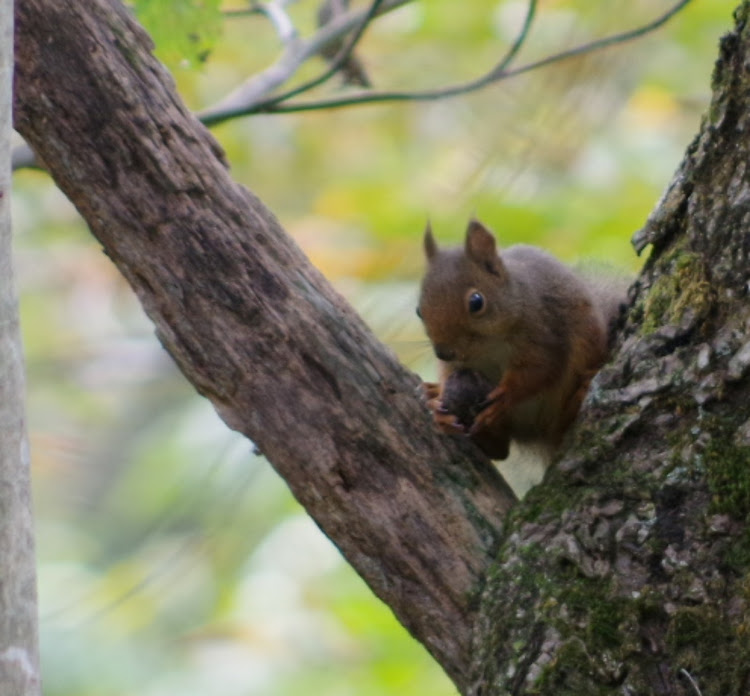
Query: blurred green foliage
[(185, 31), (172, 559)]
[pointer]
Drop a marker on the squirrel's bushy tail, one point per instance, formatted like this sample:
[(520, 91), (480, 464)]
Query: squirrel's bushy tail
[(609, 288)]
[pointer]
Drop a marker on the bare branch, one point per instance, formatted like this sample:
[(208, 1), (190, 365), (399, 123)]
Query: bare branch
[(254, 9), (499, 72), (280, 19), (520, 39), (340, 58), (247, 97)]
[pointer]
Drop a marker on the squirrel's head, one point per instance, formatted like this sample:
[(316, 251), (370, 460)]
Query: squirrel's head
[(463, 300)]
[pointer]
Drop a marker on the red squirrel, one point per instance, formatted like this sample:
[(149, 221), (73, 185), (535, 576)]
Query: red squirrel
[(518, 334)]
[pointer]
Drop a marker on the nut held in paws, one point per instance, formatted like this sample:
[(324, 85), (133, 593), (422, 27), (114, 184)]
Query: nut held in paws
[(463, 394)]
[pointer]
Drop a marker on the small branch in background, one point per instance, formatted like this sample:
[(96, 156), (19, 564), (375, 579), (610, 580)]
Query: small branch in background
[(246, 12), (252, 96), (351, 69), (247, 97), (340, 59), (684, 673), (499, 72), (254, 9), (520, 40), (280, 19)]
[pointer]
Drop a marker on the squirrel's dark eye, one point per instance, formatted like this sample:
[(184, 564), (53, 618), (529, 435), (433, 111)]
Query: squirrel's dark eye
[(476, 302), (419, 312)]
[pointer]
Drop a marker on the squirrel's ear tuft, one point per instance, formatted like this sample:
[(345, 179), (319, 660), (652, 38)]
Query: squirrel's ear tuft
[(482, 248), (430, 245)]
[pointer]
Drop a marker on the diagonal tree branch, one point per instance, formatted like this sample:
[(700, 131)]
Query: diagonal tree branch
[(254, 326)]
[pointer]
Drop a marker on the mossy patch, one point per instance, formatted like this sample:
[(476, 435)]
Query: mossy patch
[(728, 466), (728, 474), (571, 673), (592, 600), (594, 662), (707, 646), (701, 641), (543, 502), (737, 555), (682, 287)]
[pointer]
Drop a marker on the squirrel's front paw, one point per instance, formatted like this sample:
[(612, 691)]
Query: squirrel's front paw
[(429, 391), (447, 422), (490, 429), (493, 411)]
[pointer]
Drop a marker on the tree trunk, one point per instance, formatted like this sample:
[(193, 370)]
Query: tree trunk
[(19, 660), (254, 326), (626, 572)]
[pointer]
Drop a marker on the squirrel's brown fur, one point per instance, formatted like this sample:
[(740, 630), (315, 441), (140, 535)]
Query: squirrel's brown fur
[(524, 321)]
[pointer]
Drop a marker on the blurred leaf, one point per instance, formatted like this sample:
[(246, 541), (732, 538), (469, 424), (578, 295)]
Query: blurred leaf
[(184, 31)]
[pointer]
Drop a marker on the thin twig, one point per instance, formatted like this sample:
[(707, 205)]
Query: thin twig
[(253, 9), (280, 19), (520, 39), (246, 98), (341, 56), (690, 679), (496, 74), (245, 12)]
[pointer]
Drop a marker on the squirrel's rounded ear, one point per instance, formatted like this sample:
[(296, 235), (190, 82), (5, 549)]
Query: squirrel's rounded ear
[(481, 246), (430, 245)]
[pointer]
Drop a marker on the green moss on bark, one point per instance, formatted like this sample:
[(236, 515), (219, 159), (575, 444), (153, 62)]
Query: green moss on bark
[(704, 644), (728, 466), (682, 286)]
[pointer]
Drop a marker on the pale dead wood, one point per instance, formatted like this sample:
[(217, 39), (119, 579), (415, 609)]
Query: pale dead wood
[(19, 652)]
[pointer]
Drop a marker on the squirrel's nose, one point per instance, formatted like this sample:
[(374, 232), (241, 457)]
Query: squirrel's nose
[(444, 353)]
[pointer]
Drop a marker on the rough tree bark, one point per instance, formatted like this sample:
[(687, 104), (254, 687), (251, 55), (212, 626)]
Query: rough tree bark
[(19, 659), (626, 572), (253, 325)]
